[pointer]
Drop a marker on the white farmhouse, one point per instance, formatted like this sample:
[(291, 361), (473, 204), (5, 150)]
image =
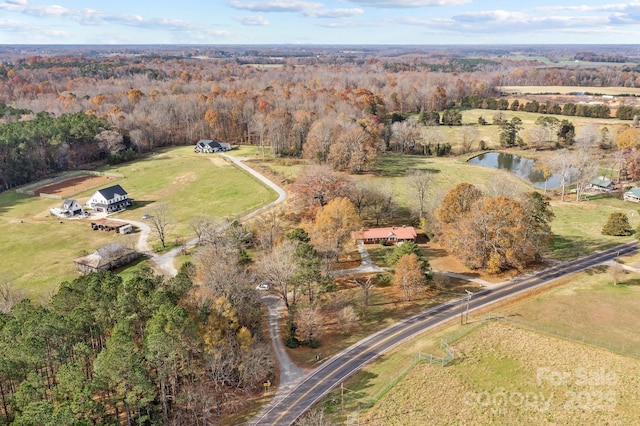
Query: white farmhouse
[(109, 200)]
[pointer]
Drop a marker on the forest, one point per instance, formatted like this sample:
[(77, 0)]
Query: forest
[(190, 349), (61, 110)]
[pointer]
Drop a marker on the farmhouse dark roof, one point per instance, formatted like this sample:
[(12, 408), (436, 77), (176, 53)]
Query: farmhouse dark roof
[(209, 142), (67, 204), (109, 192)]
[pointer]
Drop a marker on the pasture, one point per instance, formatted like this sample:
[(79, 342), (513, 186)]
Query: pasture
[(38, 250), (566, 355), (505, 375), (567, 90)]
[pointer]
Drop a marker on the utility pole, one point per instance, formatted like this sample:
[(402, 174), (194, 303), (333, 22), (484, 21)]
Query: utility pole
[(342, 401), (469, 294)]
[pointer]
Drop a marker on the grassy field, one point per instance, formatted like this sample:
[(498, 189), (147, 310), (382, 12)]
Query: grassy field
[(568, 355), (507, 375), (565, 90), (38, 250), (490, 133)]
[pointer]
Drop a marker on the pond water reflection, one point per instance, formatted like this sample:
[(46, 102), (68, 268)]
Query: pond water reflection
[(523, 167)]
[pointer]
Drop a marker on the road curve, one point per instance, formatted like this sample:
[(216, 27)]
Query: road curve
[(165, 261), (319, 382)]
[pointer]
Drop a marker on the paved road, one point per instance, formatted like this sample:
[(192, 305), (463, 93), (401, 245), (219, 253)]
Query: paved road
[(319, 382)]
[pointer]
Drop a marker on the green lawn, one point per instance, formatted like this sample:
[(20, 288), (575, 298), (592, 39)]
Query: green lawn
[(38, 253), (578, 226)]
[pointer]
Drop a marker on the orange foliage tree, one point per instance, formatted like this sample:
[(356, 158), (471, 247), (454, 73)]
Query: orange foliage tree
[(492, 236), (331, 230), (409, 276)]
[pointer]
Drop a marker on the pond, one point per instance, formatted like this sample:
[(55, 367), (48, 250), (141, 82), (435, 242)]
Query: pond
[(523, 167)]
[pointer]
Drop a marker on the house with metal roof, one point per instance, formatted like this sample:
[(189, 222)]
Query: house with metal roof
[(632, 195), (109, 200), (106, 258), (602, 184)]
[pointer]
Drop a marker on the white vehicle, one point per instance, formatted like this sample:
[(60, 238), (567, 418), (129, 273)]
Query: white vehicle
[(262, 287)]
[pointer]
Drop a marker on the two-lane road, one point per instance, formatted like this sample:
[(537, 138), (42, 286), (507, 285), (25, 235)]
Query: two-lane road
[(319, 382)]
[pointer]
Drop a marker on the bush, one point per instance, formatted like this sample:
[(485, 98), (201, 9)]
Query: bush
[(617, 225), (291, 342)]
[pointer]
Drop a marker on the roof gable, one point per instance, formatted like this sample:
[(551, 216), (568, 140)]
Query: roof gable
[(110, 192), (601, 182)]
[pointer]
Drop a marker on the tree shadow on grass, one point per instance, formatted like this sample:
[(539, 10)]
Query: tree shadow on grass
[(631, 282), (397, 166), (573, 247)]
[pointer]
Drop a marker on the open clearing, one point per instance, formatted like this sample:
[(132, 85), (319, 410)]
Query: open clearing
[(507, 375), (38, 249), (568, 355), (566, 90)]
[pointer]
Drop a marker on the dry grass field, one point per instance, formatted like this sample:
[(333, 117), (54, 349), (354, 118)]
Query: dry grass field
[(567, 355), (506, 375), (566, 90)]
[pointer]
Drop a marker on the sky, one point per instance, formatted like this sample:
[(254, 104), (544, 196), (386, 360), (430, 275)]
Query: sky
[(319, 22)]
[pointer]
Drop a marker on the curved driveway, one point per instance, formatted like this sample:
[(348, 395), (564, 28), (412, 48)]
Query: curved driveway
[(319, 382), (165, 261)]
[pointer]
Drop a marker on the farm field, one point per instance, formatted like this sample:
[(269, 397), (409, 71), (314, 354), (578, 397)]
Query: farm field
[(38, 250), (565, 90), (568, 355), (490, 133), (507, 375)]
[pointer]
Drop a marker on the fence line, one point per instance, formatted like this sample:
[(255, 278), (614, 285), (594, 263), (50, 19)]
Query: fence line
[(29, 188), (449, 356)]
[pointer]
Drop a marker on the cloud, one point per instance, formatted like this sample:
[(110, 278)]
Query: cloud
[(304, 8), (92, 17), (508, 23), (335, 13), (275, 6), (403, 4), (254, 20)]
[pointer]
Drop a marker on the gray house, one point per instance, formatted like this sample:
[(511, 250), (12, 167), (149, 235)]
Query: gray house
[(71, 208), (109, 200), (210, 146)]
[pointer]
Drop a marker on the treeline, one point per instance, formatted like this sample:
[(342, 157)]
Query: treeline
[(146, 350), (37, 147), (342, 115), (568, 108)]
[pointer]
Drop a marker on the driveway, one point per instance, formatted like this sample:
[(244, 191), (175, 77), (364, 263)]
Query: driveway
[(165, 261), (366, 265)]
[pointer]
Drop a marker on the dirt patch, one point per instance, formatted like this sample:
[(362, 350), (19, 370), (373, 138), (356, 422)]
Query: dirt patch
[(73, 185), (218, 161)]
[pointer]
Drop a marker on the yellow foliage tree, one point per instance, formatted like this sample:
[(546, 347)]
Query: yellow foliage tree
[(629, 138), (333, 225)]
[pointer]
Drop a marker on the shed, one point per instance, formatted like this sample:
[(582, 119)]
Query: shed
[(105, 258), (601, 183)]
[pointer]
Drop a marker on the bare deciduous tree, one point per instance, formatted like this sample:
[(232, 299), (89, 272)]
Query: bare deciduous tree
[(10, 295), (277, 267), (161, 222), (420, 180)]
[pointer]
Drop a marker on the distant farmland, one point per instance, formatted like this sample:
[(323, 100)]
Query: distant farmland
[(570, 90)]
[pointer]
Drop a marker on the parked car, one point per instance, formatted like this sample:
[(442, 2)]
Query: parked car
[(262, 287), (146, 216)]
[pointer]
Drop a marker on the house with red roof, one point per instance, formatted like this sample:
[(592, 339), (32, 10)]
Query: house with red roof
[(392, 235)]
